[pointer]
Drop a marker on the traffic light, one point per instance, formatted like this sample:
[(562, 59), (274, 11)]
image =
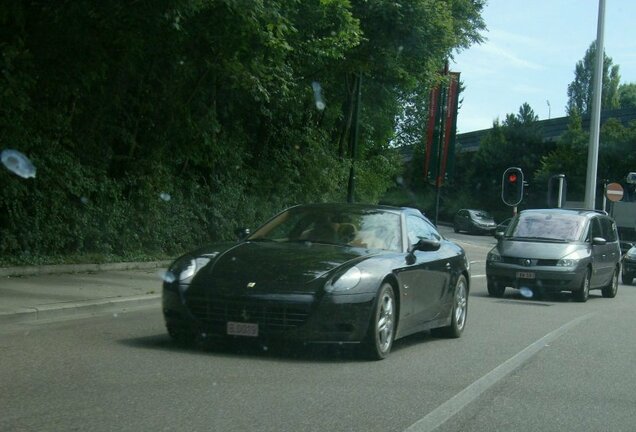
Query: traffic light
[(512, 186)]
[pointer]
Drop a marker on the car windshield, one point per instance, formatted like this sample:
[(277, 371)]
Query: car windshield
[(480, 214), (562, 227), (370, 229)]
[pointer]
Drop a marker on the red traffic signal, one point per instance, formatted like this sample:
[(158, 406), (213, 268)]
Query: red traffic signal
[(512, 186)]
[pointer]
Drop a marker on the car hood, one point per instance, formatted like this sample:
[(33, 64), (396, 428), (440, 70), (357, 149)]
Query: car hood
[(259, 267), (537, 250), (483, 221)]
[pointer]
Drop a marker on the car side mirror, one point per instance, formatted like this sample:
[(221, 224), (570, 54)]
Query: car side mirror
[(242, 233), (499, 235), (424, 245), (599, 241)]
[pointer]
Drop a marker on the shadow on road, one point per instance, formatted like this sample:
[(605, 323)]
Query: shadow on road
[(268, 350), (537, 299)]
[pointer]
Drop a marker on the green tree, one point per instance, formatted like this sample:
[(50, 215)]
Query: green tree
[(569, 158), (616, 156), (228, 110), (627, 95), (580, 89), (518, 142)]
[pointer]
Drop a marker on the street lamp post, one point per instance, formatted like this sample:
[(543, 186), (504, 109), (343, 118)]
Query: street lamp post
[(592, 154)]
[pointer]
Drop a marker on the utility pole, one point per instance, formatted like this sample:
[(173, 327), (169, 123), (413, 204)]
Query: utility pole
[(351, 187), (595, 125)]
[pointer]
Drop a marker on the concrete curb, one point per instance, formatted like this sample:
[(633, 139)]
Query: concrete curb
[(79, 268), (80, 309)]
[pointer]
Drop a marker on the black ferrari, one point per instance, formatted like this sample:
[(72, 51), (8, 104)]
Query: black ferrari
[(323, 273)]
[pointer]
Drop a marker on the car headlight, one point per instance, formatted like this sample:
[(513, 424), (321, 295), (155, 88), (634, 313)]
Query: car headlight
[(493, 256), (346, 281), (186, 267), (631, 253), (571, 260)]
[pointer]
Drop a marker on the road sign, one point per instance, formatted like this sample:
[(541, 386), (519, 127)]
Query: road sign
[(614, 192)]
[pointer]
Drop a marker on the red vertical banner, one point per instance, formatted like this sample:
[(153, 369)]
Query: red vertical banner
[(430, 161), (450, 126)]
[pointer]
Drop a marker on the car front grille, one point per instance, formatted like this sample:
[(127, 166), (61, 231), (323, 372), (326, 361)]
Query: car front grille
[(269, 315), (526, 262)]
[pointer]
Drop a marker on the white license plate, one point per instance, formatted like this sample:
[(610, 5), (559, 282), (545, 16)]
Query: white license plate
[(525, 275), (242, 329)]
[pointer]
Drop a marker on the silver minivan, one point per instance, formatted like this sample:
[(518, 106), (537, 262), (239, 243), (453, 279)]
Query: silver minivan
[(552, 250)]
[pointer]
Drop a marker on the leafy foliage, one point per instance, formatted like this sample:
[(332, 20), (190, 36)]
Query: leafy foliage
[(157, 126), (515, 142), (627, 95), (581, 89)]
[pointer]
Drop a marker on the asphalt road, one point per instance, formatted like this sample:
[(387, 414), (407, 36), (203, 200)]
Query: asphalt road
[(522, 365)]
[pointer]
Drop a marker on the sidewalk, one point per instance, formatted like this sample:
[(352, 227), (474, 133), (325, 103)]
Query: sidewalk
[(51, 292)]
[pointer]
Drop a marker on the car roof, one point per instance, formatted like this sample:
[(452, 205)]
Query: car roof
[(579, 212)]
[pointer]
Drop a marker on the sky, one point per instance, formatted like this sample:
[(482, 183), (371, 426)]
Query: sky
[(529, 54)]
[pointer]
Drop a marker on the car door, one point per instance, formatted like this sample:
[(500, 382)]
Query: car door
[(600, 257), (612, 252), (426, 277)]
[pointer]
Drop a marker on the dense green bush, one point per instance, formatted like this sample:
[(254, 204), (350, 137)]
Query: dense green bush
[(158, 126)]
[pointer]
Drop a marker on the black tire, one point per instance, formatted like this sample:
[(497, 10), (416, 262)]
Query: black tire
[(180, 335), (627, 278), (583, 293), (459, 313), (381, 334), (455, 228), (610, 290), (495, 289)]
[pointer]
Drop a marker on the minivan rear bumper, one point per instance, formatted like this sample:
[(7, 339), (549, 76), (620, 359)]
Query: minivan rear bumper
[(548, 279)]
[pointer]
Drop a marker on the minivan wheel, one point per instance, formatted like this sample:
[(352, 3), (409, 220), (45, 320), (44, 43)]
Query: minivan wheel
[(584, 292), (611, 290)]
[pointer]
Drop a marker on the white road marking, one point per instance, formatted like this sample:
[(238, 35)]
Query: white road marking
[(477, 276), (448, 409)]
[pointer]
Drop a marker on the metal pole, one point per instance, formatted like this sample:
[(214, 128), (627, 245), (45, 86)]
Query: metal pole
[(354, 142), (560, 196), (440, 149), (592, 154)]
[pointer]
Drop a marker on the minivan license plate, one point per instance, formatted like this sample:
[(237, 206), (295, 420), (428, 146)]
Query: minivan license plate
[(242, 329), (525, 275)]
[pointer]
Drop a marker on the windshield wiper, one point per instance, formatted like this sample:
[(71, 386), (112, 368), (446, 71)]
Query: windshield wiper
[(546, 239)]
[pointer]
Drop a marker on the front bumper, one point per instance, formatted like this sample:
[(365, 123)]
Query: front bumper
[(545, 278), (629, 267), (478, 229), (342, 318)]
